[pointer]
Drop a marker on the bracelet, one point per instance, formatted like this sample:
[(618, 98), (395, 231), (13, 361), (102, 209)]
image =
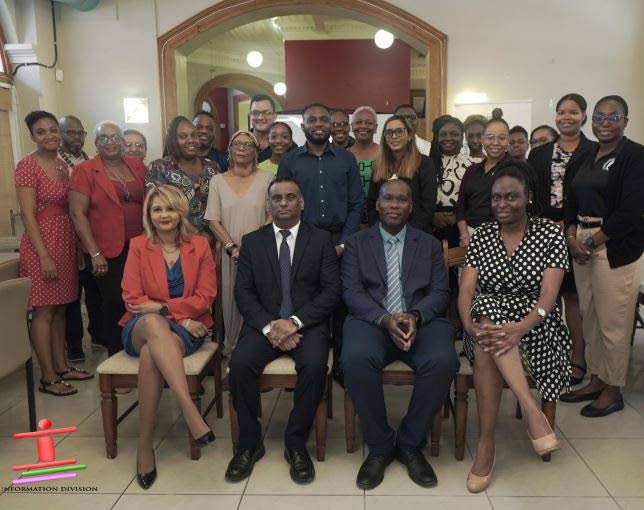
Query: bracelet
[(187, 323), (95, 255), (229, 245), (571, 237)]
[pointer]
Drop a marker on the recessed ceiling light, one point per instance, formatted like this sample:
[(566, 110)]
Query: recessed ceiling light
[(383, 39), (254, 58), (280, 88)]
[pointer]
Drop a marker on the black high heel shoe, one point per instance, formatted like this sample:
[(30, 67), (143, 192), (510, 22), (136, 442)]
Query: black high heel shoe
[(206, 439), (574, 381), (146, 479)]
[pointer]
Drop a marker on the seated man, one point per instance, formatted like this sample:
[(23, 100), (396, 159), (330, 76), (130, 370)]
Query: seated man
[(288, 284), (395, 288)]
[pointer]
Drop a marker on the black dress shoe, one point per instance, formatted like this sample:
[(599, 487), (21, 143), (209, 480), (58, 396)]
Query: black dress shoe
[(590, 411), (147, 479), (241, 465), (372, 471), (302, 470), (572, 397), (206, 439), (417, 466)]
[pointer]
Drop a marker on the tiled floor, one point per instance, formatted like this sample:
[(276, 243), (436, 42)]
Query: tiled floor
[(600, 465)]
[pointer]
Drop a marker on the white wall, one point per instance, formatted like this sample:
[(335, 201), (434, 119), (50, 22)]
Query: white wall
[(508, 49)]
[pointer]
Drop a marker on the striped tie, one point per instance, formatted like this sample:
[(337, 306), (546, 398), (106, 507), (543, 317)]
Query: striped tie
[(394, 291)]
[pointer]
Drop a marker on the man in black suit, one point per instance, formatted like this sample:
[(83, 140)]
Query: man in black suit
[(395, 288), (288, 283)]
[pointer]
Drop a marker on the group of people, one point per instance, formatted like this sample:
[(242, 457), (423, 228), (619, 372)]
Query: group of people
[(339, 241)]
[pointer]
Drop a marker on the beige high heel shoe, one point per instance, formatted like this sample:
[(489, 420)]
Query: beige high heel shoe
[(546, 444), (476, 484)]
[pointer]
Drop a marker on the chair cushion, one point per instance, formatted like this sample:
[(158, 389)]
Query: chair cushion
[(284, 365), (397, 366), (123, 364)]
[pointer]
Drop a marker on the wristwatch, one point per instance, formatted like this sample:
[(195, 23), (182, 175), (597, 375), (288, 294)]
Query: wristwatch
[(418, 315), (541, 312), (164, 309)]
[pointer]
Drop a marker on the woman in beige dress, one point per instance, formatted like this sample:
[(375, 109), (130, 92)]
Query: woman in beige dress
[(236, 205)]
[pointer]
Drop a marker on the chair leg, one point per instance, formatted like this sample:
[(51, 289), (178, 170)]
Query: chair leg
[(460, 416), (109, 409), (320, 431), (234, 424), (436, 434), (31, 398), (329, 396), (259, 411), (195, 450), (349, 423), (549, 408), (219, 403), (446, 408), (517, 413)]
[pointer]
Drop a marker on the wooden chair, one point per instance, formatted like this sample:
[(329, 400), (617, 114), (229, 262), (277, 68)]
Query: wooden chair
[(122, 371), (280, 373), (465, 380)]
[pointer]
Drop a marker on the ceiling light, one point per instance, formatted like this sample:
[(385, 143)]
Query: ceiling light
[(469, 97), (280, 88), (254, 58), (383, 39)]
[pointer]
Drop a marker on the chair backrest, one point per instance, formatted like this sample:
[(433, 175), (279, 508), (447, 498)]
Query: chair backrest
[(14, 341), (453, 257), (9, 269)]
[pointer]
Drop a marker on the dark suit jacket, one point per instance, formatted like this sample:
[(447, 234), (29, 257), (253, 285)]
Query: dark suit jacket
[(315, 277), (364, 275)]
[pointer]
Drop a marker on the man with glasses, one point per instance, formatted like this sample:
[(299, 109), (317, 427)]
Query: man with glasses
[(340, 129), (287, 285), (204, 123), (71, 151), (262, 115), (407, 111)]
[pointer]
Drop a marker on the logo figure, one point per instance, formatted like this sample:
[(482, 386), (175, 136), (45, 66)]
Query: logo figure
[(47, 467)]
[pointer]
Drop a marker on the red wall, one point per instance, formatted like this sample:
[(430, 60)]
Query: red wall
[(219, 98), (347, 74)]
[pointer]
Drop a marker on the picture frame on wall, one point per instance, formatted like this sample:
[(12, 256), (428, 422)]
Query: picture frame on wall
[(417, 99)]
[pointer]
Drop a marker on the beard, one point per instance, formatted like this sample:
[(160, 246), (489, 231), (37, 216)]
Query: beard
[(315, 140)]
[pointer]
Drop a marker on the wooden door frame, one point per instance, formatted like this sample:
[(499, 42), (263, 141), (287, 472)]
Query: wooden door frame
[(372, 11)]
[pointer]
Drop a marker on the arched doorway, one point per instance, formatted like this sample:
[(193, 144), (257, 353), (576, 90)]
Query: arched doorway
[(230, 13)]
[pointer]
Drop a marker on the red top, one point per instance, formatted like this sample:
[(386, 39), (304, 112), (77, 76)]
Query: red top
[(105, 210), (145, 279)]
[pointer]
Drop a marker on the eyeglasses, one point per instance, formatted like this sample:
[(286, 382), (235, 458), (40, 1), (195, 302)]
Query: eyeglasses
[(610, 118), (492, 137), (245, 145), (290, 198), (261, 113), (138, 145), (75, 133), (109, 138), (411, 116), (340, 124), (398, 132), (539, 141)]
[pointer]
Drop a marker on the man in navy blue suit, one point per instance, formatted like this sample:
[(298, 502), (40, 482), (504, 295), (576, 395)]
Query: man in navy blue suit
[(396, 291)]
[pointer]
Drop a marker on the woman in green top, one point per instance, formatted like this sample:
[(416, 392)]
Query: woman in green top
[(280, 140), (364, 126)]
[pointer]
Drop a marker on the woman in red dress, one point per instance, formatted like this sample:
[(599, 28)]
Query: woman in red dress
[(48, 251)]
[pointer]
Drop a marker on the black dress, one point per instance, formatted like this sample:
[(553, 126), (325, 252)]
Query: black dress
[(508, 289)]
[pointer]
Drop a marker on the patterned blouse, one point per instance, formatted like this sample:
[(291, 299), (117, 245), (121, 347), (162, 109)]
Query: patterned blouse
[(449, 181), (560, 159), (167, 171)]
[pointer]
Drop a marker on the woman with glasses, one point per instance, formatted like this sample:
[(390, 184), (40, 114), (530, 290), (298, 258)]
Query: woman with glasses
[(106, 204), (399, 158), (604, 216), (182, 167), (280, 140), (551, 163), (365, 150), (542, 135), (136, 146), (236, 206), (473, 205)]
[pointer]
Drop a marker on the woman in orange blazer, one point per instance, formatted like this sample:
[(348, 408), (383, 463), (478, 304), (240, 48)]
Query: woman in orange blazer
[(106, 204), (169, 285)]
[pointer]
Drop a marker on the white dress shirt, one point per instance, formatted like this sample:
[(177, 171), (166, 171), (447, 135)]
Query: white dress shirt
[(423, 145)]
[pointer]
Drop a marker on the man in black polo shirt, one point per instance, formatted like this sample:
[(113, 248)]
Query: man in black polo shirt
[(204, 123)]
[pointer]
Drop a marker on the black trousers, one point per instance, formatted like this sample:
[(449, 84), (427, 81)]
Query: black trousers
[(74, 320), (367, 350), (112, 305), (251, 354)]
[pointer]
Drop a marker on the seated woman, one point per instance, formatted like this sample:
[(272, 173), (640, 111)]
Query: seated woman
[(169, 285), (280, 140), (399, 158), (511, 321)]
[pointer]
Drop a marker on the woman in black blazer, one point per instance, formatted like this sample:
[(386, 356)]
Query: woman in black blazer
[(551, 163), (604, 204)]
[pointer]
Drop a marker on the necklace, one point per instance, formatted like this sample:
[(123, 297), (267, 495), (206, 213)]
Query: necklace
[(169, 252), (126, 192)]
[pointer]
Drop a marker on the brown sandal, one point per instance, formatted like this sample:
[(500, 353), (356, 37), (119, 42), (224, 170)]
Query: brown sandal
[(45, 385), (85, 375)]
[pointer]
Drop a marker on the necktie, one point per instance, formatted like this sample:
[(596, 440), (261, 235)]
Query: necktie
[(286, 308), (394, 291)]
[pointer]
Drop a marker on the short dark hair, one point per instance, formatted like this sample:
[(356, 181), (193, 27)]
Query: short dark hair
[(136, 132), (279, 180), (617, 99), (171, 146), (404, 105), (280, 123), (315, 105), (263, 97), (35, 116), (473, 120), (342, 112), (388, 182), (203, 112), (553, 131), (522, 172), (519, 129), (494, 120), (451, 120), (576, 98)]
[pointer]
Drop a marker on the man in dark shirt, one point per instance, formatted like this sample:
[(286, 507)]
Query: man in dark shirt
[(204, 123)]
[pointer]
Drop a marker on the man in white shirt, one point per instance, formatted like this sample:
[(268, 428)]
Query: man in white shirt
[(407, 111)]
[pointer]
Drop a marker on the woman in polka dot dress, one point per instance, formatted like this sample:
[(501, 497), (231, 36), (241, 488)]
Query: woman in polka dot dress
[(48, 254), (507, 302)]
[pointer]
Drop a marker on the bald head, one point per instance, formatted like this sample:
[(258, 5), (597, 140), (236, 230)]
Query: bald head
[(73, 133)]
